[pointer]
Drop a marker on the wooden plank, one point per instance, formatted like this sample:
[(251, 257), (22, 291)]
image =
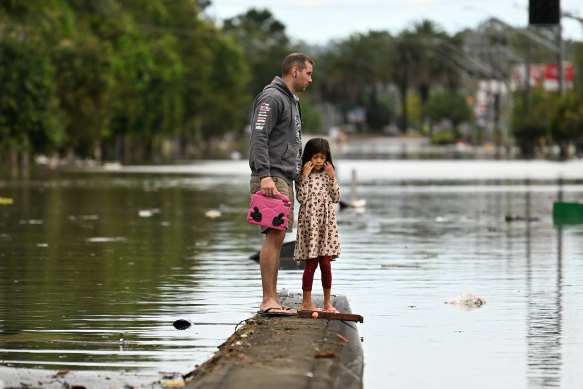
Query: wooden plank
[(331, 316)]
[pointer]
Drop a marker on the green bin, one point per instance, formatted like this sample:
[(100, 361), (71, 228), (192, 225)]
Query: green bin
[(567, 213)]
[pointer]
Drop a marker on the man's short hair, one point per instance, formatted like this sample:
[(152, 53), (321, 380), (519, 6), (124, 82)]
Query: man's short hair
[(295, 59)]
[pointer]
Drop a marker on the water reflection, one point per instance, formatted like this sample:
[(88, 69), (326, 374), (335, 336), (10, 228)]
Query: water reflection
[(544, 315), (103, 257)]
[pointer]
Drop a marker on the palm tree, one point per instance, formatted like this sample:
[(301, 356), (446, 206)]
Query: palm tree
[(416, 66), (354, 69)]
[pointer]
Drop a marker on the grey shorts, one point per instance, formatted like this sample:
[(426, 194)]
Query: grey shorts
[(284, 188)]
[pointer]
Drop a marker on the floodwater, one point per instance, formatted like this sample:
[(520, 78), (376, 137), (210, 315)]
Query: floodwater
[(118, 254)]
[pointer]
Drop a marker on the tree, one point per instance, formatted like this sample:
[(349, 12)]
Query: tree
[(530, 126), (84, 86), (409, 51), (566, 122), (356, 72), (29, 112), (264, 42), (448, 105), (415, 65)]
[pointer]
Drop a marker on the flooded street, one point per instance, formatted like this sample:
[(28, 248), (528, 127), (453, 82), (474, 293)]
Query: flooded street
[(95, 266)]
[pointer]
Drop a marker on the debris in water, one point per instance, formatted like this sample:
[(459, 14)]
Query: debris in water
[(104, 239), (510, 218), (6, 201), (148, 212), (466, 301), (393, 265), (212, 214), (182, 324), (31, 222)]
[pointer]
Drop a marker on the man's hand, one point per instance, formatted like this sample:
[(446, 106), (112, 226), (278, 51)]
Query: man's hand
[(268, 187)]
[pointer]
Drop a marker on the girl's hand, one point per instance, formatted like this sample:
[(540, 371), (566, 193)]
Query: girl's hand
[(307, 169), (329, 170)]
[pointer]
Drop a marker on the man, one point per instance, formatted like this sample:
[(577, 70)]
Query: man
[(275, 160)]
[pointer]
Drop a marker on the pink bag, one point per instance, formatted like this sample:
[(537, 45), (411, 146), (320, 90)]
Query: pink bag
[(269, 211)]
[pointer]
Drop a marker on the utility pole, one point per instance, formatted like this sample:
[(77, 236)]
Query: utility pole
[(527, 98), (561, 46), (547, 13)]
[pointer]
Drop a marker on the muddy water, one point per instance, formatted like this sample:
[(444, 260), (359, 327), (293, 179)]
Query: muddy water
[(116, 256)]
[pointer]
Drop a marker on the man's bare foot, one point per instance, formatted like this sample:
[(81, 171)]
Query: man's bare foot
[(276, 311)]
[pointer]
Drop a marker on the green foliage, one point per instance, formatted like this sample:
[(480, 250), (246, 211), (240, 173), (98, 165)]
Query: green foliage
[(227, 96), (566, 121), (448, 105), (119, 76), (101, 72), (415, 65), (311, 119), (578, 64), (352, 71), (379, 112), (264, 42), (414, 109), (84, 86), (529, 126), (28, 103), (443, 138)]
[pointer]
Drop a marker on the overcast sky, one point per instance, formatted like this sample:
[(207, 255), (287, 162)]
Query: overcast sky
[(318, 21)]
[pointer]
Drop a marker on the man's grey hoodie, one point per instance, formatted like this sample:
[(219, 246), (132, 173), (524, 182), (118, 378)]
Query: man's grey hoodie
[(275, 146)]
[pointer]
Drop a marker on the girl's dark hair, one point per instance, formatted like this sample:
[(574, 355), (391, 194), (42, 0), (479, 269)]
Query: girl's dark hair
[(314, 146)]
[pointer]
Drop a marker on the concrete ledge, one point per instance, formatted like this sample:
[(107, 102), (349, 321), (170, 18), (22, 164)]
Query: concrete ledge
[(286, 352)]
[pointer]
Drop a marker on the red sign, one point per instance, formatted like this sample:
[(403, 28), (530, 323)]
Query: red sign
[(545, 74)]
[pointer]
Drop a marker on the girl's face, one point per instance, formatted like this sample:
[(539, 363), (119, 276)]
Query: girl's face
[(318, 161)]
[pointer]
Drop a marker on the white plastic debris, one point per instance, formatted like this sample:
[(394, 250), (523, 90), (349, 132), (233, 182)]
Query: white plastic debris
[(466, 301), (212, 214), (148, 212)]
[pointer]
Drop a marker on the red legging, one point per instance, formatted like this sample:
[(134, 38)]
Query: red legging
[(310, 269)]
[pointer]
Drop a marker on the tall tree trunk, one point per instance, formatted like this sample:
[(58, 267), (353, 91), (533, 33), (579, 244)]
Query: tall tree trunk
[(403, 86), (25, 156), (14, 163)]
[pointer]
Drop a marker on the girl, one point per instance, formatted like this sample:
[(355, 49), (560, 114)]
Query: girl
[(317, 238)]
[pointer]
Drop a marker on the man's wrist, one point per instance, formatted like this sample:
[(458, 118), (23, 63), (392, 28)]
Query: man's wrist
[(265, 178)]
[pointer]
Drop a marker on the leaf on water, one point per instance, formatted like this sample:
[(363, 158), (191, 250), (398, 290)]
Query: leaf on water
[(6, 201)]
